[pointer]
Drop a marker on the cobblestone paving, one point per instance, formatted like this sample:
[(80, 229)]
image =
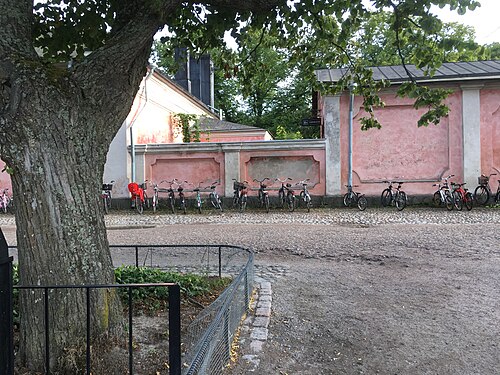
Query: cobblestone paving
[(318, 216)]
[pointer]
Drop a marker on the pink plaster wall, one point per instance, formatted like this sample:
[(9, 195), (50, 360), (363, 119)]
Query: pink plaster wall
[(401, 150), (490, 134), (5, 182), (195, 168), (296, 164)]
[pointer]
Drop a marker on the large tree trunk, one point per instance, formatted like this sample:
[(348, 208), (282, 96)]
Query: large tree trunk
[(61, 235), (56, 125)]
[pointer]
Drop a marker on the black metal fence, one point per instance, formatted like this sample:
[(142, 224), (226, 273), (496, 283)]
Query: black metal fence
[(206, 342), (6, 318)]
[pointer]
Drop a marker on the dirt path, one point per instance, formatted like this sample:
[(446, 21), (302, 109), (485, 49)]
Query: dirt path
[(384, 299)]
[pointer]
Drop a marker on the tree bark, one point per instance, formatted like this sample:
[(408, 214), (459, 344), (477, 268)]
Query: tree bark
[(57, 155), (56, 126)]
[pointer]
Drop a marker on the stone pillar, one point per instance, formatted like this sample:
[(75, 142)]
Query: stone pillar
[(331, 109), (471, 133), (232, 170), (140, 167)]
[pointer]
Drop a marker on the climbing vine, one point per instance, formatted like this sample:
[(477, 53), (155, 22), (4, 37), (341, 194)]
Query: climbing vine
[(190, 127)]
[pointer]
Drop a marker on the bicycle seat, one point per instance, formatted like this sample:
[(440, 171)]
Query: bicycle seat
[(288, 184)]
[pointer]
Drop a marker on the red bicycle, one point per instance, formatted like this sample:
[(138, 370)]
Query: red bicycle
[(461, 197), (137, 198)]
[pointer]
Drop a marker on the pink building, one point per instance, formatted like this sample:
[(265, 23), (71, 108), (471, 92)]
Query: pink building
[(465, 144)]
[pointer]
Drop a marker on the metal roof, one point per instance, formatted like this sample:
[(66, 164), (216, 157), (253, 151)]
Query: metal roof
[(447, 72), (211, 124)]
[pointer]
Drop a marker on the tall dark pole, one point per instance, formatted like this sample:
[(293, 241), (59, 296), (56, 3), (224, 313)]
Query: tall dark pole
[(351, 105), (6, 324)]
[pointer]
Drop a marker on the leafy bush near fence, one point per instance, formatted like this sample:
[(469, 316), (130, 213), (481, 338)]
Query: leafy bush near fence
[(153, 298)]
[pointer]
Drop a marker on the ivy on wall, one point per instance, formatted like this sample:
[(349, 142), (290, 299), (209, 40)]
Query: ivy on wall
[(190, 127)]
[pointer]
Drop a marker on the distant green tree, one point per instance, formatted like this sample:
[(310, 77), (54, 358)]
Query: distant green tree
[(377, 43), (494, 49)]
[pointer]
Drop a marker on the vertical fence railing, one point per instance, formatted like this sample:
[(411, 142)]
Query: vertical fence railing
[(208, 354), (174, 326), (6, 310)]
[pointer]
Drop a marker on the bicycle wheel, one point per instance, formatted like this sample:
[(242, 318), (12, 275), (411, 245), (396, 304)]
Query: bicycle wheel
[(139, 205), (481, 195), (243, 203), (281, 198), (448, 201), (266, 202), (291, 202), (497, 197), (183, 205), (146, 202), (307, 199), (436, 199), (171, 203), (458, 202), (154, 202), (198, 203), (469, 201), (349, 199), (400, 200), (386, 198), (213, 200), (236, 201), (261, 199), (362, 203), (105, 205)]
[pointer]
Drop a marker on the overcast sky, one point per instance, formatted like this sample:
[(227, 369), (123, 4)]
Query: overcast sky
[(485, 20)]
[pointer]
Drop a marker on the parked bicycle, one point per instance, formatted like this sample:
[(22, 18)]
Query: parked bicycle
[(155, 198), (304, 194), (5, 201), (240, 194), (394, 196), (354, 198), (171, 195), (443, 195), (137, 196), (263, 194), (198, 201), (214, 196), (180, 193), (286, 195), (461, 197), (106, 196), (483, 193)]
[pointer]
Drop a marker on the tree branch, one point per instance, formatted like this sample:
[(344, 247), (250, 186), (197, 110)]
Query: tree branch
[(244, 5)]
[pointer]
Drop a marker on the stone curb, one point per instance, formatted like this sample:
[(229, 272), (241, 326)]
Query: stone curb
[(258, 322)]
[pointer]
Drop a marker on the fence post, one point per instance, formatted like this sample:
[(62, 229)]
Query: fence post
[(6, 324), (174, 318)]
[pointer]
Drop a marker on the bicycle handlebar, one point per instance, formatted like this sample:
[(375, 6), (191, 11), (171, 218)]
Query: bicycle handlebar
[(261, 181), (283, 181)]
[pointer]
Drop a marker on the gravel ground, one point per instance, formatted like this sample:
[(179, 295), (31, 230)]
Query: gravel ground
[(374, 292)]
